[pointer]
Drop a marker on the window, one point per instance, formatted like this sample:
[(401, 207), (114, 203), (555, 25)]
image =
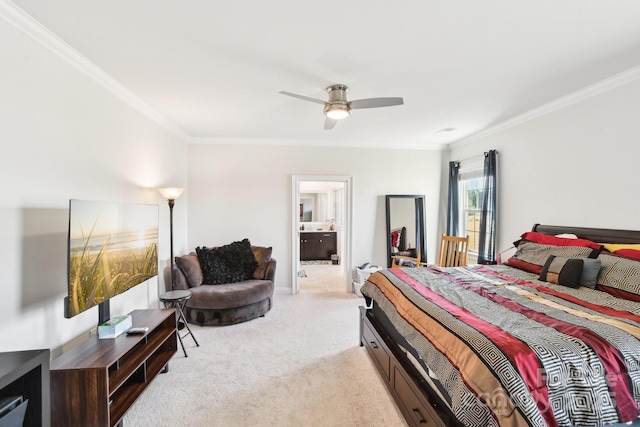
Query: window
[(474, 219), (470, 191)]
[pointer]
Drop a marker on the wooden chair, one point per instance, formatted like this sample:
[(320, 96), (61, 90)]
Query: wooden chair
[(453, 251), (397, 261)]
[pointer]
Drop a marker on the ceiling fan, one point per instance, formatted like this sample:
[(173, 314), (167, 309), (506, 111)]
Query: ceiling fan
[(337, 107)]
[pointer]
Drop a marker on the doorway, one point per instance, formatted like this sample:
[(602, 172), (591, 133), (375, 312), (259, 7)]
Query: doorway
[(321, 233)]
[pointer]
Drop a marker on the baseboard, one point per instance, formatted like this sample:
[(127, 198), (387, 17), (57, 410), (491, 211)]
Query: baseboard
[(282, 291)]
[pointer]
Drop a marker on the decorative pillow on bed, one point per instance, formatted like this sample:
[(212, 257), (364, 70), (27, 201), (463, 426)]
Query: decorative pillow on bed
[(532, 256), (590, 271), (590, 268), (615, 247), (629, 253), (532, 236), (562, 271), (620, 276), (227, 264)]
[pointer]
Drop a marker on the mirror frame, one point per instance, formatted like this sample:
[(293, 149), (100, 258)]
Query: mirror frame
[(420, 223)]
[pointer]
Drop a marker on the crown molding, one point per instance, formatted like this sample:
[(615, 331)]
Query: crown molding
[(28, 25), (598, 88), (315, 143)]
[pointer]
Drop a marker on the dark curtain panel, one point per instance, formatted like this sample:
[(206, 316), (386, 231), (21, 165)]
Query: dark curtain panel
[(452, 209), (487, 243)]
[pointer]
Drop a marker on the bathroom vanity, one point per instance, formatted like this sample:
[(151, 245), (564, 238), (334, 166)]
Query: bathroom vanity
[(317, 245)]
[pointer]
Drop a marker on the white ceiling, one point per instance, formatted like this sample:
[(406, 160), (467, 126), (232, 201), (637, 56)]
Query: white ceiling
[(214, 68)]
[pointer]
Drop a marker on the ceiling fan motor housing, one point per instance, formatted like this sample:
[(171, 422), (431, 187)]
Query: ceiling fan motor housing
[(337, 107)]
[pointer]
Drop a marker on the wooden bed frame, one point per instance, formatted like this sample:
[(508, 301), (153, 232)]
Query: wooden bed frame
[(419, 403)]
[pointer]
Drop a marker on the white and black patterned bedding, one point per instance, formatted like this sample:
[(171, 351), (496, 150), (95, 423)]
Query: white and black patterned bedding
[(510, 350)]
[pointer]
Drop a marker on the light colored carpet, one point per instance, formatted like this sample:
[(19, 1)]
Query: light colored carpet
[(300, 365)]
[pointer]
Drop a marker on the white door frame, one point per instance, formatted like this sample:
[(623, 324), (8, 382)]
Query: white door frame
[(295, 224)]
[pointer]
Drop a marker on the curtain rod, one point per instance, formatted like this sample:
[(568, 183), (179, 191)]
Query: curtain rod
[(474, 157)]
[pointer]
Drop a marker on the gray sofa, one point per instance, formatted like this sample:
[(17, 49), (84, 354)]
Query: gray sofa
[(225, 304)]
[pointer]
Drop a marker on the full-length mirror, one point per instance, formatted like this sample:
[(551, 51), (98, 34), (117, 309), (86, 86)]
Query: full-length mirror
[(405, 226)]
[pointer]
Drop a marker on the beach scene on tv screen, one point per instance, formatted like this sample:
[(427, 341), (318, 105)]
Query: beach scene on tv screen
[(112, 247)]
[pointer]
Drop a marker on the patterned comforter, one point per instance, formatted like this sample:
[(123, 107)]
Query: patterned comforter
[(509, 350)]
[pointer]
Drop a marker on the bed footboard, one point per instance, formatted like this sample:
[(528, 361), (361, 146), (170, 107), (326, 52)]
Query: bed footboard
[(419, 405)]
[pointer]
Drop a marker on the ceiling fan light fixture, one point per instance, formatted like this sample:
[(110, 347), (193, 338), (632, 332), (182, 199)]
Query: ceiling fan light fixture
[(337, 107), (337, 111)]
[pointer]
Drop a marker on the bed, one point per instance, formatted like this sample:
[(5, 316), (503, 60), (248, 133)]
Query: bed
[(550, 338)]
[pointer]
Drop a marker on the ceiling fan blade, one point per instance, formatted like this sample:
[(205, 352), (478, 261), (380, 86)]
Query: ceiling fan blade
[(375, 103), (329, 123), (304, 98)]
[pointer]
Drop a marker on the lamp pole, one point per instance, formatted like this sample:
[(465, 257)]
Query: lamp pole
[(172, 202), (171, 194)]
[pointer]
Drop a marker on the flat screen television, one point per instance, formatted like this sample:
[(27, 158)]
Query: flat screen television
[(112, 247)]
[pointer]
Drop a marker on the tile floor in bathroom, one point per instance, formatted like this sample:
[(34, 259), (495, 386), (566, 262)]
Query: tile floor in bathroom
[(322, 278)]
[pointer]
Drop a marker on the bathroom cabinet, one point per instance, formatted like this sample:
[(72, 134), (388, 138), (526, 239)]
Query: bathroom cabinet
[(317, 245)]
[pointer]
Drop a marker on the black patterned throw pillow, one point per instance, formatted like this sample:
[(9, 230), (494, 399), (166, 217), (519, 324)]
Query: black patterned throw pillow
[(227, 264)]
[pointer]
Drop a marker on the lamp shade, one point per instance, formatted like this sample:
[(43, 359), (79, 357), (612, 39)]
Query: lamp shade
[(171, 193)]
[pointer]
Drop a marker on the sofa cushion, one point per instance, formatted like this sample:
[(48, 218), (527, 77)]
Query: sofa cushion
[(190, 267), (262, 256), (230, 295), (227, 264)]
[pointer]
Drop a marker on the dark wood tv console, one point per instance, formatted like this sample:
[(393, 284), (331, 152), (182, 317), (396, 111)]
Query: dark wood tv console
[(95, 383)]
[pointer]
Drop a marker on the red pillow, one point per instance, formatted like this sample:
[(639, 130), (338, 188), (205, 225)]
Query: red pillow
[(394, 239), (547, 239), (628, 253)]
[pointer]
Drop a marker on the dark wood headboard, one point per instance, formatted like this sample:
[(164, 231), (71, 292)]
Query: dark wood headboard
[(600, 235)]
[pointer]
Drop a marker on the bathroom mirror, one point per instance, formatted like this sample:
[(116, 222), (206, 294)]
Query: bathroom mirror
[(314, 207), (405, 226)]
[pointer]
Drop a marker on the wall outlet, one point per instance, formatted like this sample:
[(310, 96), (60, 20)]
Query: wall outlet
[(93, 331)]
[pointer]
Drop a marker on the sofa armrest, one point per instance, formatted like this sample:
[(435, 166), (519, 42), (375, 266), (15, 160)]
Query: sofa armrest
[(180, 282)]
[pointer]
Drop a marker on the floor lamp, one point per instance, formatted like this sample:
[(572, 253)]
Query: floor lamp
[(171, 194)]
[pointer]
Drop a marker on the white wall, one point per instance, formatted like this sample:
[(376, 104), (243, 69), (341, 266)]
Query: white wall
[(64, 136), (238, 191), (575, 166)]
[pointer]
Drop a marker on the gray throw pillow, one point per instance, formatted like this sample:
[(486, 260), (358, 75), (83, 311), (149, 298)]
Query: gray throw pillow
[(590, 271), (190, 267)]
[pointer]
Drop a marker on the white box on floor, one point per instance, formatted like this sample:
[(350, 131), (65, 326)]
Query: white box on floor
[(356, 288), (364, 273)]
